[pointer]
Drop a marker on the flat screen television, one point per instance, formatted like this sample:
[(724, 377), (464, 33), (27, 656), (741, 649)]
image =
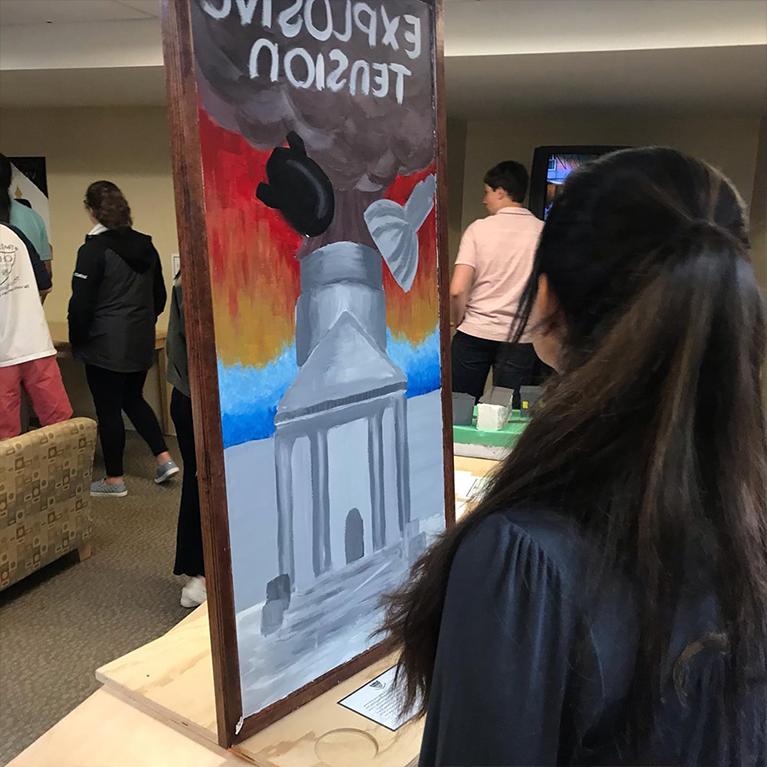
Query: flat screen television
[(551, 166)]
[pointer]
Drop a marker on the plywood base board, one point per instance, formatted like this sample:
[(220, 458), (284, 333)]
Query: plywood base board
[(104, 730), (172, 679)]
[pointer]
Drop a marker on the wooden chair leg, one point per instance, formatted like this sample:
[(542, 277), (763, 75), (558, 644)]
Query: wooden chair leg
[(84, 552)]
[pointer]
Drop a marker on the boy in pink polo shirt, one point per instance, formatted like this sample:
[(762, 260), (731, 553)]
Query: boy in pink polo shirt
[(494, 262)]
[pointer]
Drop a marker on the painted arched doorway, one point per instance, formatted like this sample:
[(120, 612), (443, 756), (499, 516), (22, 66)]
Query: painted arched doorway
[(355, 536)]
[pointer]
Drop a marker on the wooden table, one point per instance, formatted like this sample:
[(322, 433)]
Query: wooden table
[(480, 467), (60, 335), (106, 731), (156, 709)]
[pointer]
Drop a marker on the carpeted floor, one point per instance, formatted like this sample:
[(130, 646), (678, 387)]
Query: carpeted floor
[(59, 625)]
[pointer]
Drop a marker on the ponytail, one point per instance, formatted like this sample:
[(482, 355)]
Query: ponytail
[(653, 438), (108, 205)]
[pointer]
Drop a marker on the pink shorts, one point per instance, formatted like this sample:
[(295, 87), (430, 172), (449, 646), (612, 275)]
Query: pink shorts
[(42, 380)]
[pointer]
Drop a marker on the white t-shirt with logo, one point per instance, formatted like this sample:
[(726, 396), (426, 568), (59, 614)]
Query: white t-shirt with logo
[(24, 334)]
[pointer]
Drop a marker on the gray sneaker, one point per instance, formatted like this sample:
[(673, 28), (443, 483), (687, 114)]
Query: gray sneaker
[(102, 488), (165, 472)]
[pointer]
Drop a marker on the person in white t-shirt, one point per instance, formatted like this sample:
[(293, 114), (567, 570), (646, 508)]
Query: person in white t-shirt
[(27, 354)]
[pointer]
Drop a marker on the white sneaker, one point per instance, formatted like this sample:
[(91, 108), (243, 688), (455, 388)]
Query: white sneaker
[(194, 593)]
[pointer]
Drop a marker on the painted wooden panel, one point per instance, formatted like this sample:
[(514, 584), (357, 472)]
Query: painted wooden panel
[(316, 276)]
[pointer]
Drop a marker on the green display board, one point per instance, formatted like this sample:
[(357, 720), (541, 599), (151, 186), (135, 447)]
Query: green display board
[(503, 438)]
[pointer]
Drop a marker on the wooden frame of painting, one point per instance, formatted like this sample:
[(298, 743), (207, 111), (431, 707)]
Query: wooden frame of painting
[(308, 144)]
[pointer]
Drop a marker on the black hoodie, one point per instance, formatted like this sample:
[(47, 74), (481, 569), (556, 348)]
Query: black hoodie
[(117, 294)]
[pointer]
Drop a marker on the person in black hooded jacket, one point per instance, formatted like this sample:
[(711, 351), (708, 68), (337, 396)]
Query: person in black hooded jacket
[(117, 294)]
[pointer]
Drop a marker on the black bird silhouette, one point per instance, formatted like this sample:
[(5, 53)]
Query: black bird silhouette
[(298, 188)]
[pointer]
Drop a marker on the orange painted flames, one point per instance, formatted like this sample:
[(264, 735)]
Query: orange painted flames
[(254, 270)]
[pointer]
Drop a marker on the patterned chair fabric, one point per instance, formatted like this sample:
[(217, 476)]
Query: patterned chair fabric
[(45, 509)]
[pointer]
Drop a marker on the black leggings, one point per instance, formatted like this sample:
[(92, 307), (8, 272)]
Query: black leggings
[(189, 532), (116, 392)]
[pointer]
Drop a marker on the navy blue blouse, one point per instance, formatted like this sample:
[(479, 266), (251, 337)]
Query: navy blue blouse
[(531, 670)]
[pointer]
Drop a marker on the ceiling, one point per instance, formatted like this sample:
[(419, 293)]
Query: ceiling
[(501, 55), (18, 12), (499, 27)]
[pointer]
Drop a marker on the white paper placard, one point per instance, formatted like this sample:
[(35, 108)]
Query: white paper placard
[(463, 483), (478, 488), (379, 701), (468, 486)]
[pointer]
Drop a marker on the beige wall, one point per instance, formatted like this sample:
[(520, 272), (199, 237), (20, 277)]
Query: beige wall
[(129, 146), (729, 143), (456, 160), (759, 218), (759, 209), (735, 144)]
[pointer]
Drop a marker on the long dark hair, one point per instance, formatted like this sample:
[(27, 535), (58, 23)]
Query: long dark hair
[(5, 194), (653, 436), (108, 205)]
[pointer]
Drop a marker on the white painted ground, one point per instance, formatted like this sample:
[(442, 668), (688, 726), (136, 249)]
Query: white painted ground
[(271, 667)]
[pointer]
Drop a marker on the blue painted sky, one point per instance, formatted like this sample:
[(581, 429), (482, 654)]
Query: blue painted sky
[(249, 395)]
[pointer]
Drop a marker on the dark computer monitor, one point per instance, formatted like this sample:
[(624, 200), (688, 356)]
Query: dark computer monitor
[(551, 166)]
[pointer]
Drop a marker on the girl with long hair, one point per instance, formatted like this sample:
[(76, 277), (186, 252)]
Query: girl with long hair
[(606, 602), (117, 295)]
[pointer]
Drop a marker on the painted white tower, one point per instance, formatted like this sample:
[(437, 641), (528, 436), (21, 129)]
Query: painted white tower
[(341, 451)]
